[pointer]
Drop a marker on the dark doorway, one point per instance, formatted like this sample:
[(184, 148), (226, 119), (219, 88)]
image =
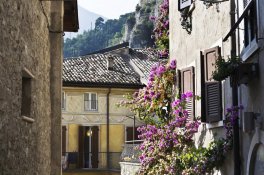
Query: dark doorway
[(88, 146), (87, 140)]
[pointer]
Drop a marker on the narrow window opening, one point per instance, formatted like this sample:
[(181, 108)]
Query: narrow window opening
[(26, 97)]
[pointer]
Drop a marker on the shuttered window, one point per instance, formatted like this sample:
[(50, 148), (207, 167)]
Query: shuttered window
[(187, 84), (211, 89)]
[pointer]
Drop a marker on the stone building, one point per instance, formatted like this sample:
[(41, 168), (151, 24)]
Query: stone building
[(200, 33), (30, 84), (94, 127)]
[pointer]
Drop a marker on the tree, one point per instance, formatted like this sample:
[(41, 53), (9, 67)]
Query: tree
[(99, 23)]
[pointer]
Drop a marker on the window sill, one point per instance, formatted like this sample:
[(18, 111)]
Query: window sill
[(249, 51), (91, 111), (214, 125), (27, 119)]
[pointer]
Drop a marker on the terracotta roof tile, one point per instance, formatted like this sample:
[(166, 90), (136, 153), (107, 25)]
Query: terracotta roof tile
[(93, 69)]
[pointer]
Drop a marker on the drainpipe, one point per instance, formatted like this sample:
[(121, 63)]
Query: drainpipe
[(236, 142), (107, 129)]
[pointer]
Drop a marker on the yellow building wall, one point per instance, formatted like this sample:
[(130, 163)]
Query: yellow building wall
[(73, 134), (116, 138), (116, 141), (75, 100), (75, 116)]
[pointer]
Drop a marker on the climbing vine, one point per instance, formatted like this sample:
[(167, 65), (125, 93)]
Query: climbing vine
[(161, 30), (168, 138)]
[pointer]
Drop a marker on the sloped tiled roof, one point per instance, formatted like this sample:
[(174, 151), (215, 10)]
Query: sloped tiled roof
[(145, 59), (92, 69), (130, 68)]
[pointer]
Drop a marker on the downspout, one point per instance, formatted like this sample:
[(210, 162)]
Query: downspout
[(107, 129), (236, 142)]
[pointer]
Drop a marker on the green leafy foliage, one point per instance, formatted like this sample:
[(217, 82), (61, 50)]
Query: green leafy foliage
[(106, 34), (224, 68)]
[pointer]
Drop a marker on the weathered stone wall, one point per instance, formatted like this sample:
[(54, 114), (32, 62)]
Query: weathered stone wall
[(25, 43), (209, 27)]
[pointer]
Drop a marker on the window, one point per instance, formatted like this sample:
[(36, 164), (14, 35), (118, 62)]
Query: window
[(90, 102), (211, 94), (249, 17), (63, 101), (250, 29), (186, 83), (26, 97), (250, 24)]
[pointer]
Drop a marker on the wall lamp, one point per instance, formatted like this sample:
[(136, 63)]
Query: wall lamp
[(209, 3)]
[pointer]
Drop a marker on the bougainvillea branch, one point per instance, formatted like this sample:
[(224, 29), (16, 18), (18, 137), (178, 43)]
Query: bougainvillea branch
[(168, 138), (161, 30), (154, 99)]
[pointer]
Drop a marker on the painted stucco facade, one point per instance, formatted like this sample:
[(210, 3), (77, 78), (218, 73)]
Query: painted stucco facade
[(74, 116), (209, 27)]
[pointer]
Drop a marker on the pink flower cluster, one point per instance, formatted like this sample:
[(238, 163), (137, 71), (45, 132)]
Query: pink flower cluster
[(158, 140), (161, 30), (156, 95)]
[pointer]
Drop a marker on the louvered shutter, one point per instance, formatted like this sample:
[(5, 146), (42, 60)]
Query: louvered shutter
[(211, 89), (187, 84)]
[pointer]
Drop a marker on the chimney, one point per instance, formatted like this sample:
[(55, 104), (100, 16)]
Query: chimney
[(110, 62)]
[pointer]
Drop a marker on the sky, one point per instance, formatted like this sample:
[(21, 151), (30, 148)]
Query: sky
[(110, 9)]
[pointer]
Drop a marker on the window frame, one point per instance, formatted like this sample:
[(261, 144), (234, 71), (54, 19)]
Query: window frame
[(182, 80), (63, 101), (90, 102), (252, 44), (206, 79)]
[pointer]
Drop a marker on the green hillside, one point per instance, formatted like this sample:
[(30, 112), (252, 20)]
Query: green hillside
[(106, 33)]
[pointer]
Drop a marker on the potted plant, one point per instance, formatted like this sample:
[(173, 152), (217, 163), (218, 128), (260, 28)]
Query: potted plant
[(225, 68)]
